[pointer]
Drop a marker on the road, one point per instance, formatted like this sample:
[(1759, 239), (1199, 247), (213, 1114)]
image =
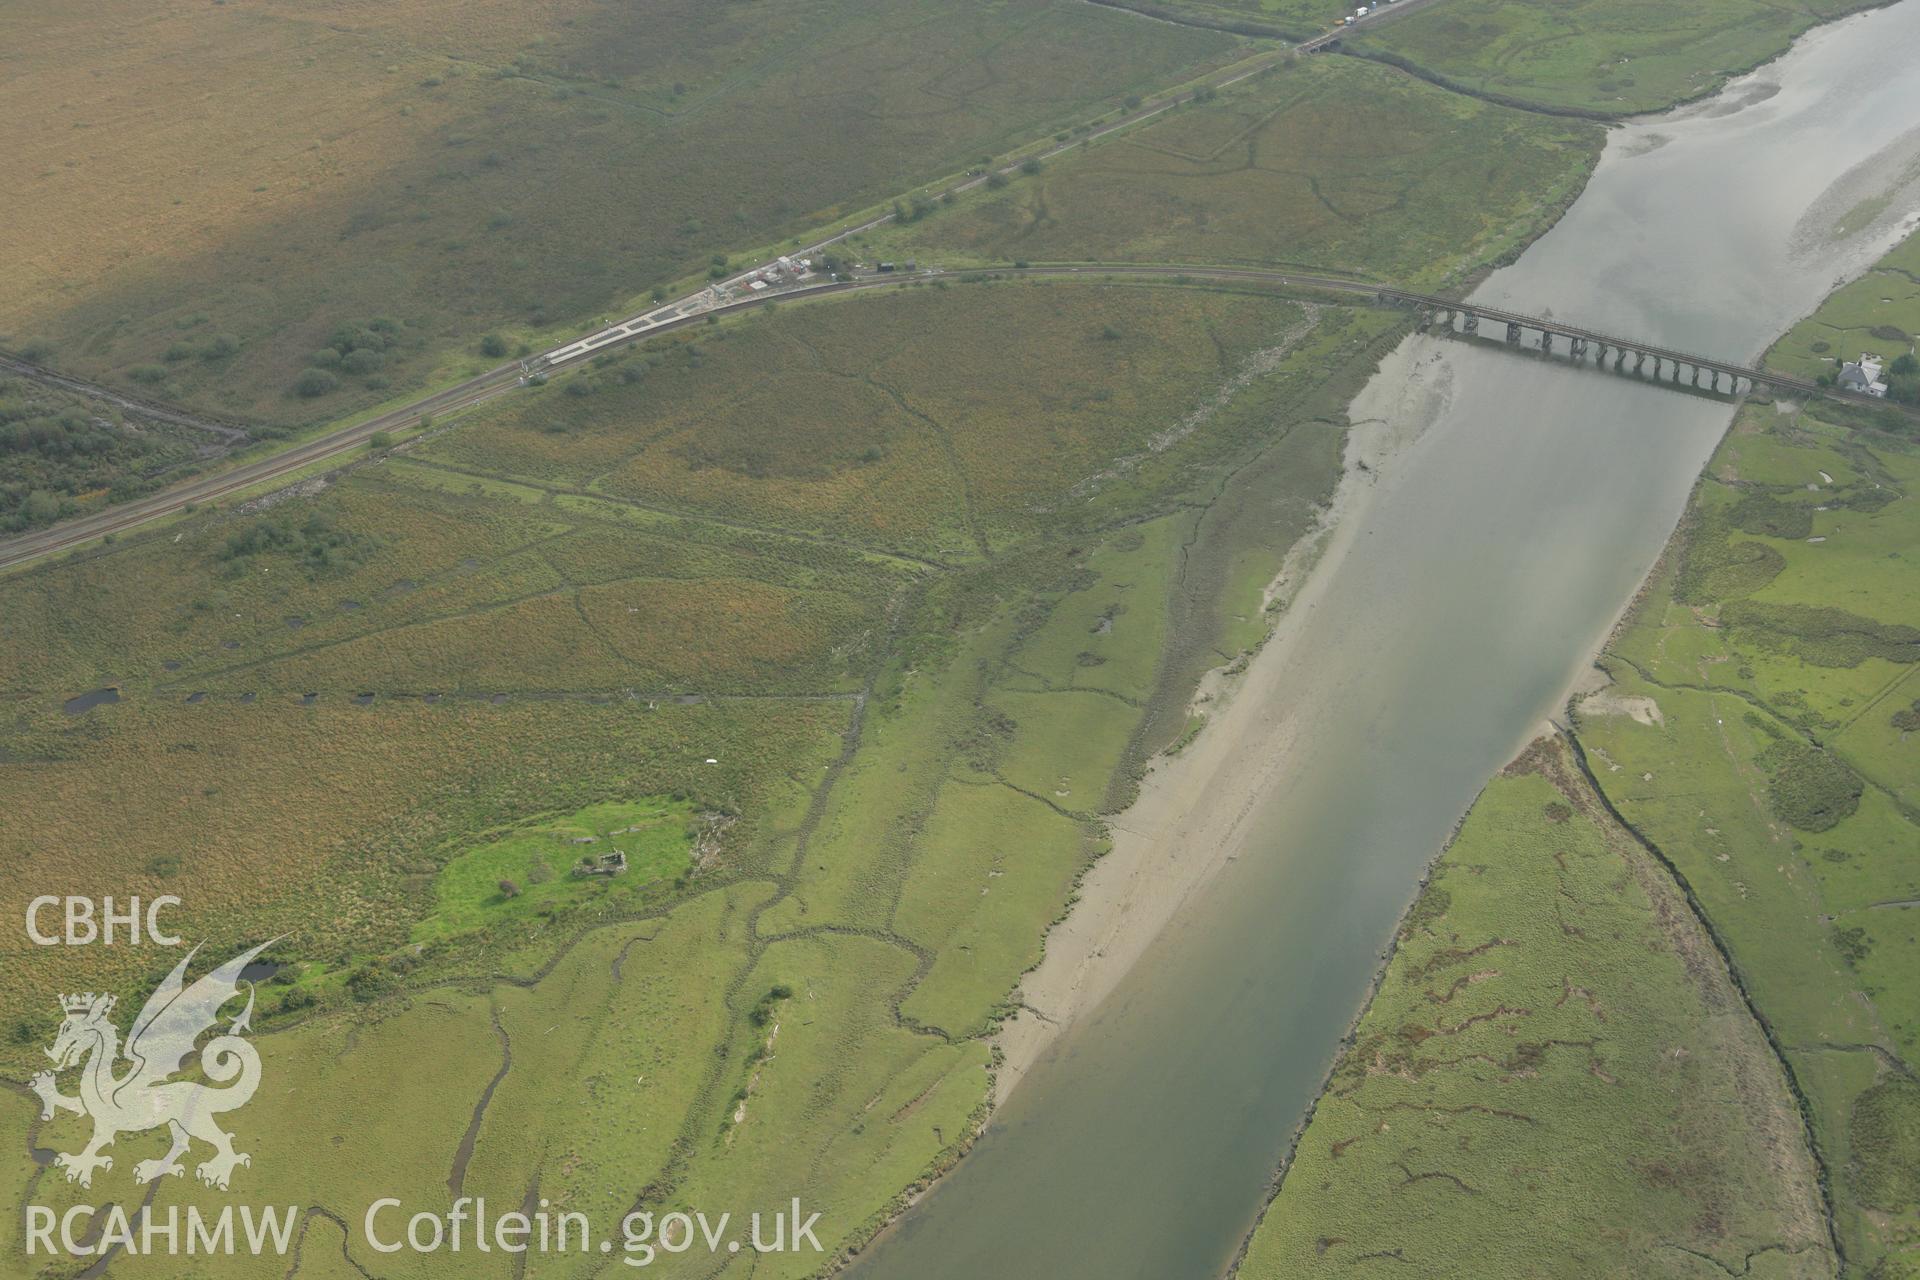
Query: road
[(1377, 15)]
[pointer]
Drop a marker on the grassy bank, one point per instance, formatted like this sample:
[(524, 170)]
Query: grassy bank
[(1778, 647), (1555, 1076)]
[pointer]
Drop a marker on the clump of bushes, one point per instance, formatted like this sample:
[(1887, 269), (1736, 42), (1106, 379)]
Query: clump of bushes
[(918, 207), (1903, 380), (51, 454), (1712, 569), (379, 976), (762, 1013), (1885, 1133), (317, 544), (1808, 788), (1824, 637), (361, 350), (314, 383), (363, 361), (1763, 513)]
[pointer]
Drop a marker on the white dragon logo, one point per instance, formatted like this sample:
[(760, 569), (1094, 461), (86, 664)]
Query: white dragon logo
[(144, 1098)]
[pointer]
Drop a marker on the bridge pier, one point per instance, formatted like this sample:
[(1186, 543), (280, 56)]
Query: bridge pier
[(1600, 357), (1471, 324), (1639, 359), (1546, 342), (1576, 347), (1619, 358), (1696, 375), (1513, 334)]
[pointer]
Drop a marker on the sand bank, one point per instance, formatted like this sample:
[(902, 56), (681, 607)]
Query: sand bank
[(1192, 815)]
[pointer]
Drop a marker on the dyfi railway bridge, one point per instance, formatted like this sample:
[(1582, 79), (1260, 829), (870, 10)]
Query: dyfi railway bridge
[(1682, 370)]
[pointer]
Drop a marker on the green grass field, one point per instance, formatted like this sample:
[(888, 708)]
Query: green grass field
[(1607, 57), (1779, 647), (542, 869), (1555, 1077), (1772, 759)]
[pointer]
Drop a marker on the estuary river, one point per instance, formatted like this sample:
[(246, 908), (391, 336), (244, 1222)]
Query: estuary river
[(1478, 568)]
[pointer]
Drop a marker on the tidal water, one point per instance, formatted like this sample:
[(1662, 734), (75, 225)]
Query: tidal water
[(1489, 558)]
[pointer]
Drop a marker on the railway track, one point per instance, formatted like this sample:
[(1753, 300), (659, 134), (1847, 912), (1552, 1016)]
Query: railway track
[(508, 377)]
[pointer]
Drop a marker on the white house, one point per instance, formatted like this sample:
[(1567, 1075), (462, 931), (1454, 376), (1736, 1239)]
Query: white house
[(1863, 376)]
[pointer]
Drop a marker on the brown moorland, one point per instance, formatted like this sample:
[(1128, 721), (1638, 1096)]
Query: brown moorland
[(222, 202)]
